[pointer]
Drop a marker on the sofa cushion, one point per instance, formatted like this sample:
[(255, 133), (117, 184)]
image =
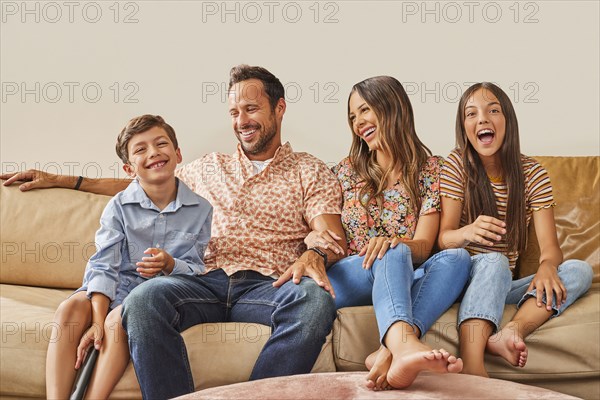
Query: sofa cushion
[(576, 185), (47, 235), (556, 353), (219, 354)]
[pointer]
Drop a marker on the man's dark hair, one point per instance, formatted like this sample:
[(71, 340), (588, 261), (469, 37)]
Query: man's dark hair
[(272, 85)]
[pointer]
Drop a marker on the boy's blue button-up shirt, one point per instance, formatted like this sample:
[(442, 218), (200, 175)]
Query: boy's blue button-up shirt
[(131, 223)]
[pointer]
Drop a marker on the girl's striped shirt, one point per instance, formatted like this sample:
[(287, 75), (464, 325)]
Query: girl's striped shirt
[(538, 195)]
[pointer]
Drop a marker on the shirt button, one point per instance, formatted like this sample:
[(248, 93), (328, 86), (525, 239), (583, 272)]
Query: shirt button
[(157, 245)]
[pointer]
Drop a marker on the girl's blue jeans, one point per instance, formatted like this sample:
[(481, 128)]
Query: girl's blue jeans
[(490, 287), (399, 293)]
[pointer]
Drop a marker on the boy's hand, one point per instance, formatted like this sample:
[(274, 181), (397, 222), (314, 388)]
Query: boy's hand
[(93, 335), (159, 260), (484, 230)]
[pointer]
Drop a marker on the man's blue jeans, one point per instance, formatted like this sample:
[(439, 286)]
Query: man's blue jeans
[(396, 291), (300, 316)]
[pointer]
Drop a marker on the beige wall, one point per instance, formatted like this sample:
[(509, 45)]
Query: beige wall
[(74, 72)]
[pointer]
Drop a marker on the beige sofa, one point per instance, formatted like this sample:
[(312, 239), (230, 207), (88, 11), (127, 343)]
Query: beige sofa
[(47, 236)]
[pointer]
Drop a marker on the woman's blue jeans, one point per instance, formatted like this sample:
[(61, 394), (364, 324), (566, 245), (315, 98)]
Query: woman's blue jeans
[(399, 293)]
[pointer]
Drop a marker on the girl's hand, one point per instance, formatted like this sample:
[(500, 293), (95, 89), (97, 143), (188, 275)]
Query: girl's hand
[(325, 240), (546, 280), (483, 230), (93, 335), (158, 261), (376, 248)]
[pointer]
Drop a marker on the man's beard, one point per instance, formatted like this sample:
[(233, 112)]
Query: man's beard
[(263, 142)]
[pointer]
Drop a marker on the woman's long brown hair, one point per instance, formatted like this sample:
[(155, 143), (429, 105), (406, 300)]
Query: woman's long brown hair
[(397, 136)]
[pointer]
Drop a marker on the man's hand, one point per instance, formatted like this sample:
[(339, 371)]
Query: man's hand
[(326, 240), (309, 264), (93, 336), (159, 260), (35, 179)]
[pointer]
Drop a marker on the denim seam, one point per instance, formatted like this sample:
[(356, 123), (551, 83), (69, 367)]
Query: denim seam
[(387, 287), (188, 368), (415, 303), (259, 302)]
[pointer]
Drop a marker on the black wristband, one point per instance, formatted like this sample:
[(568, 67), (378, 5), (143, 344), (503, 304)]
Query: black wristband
[(319, 252), (79, 180)]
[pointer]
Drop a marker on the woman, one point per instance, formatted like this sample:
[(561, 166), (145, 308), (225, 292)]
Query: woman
[(391, 216)]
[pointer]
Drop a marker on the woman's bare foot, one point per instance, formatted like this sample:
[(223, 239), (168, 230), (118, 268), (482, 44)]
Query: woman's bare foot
[(377, 376), (418, 357), (370, 360), (509, 345)]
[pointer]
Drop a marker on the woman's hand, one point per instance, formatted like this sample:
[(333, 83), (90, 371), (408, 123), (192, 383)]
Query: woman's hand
[(484, 230), (93, 335), (325, 240), (376, 248), (546, 280)]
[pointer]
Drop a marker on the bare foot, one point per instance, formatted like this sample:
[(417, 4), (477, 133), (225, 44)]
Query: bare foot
[(419, 357), (370, 361), (509, 345), (377, 376)]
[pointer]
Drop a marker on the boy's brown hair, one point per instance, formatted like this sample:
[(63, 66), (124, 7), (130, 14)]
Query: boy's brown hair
[(140, 125)]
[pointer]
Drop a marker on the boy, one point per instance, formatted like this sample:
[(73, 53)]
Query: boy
[(156, 215)]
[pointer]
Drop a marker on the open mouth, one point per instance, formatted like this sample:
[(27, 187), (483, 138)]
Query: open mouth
[(486, 136), (248, 133), (368, 133)]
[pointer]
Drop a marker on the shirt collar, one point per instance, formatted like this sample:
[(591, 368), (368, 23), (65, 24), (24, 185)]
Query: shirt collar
[(280, 155), (135, 194)]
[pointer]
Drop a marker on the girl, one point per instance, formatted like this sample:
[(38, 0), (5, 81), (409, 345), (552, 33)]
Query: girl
[(391, 211), (490, 193)]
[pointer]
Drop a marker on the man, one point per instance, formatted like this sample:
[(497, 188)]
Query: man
[(266, 199)]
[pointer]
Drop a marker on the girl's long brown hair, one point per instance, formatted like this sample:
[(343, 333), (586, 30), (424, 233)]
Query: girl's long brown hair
[(397, 136), (479, 195)]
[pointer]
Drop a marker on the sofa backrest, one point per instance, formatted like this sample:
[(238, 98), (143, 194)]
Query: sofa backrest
[(47, 236), (576, 189)]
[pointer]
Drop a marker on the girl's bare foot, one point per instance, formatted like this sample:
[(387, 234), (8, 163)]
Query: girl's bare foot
[(376, 378), (509, 345), (418, 357)]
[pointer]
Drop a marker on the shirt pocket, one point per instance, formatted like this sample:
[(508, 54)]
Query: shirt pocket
[(179, 243)]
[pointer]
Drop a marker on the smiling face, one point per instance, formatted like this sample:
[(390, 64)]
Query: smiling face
[(364, 121), (152, 156), (257, 126), (484, 124)]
